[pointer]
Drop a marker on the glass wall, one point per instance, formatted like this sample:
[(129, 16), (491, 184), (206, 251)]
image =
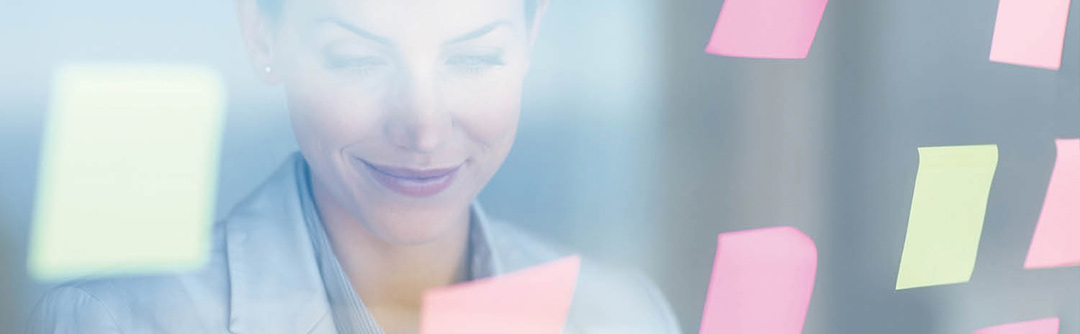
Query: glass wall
[(636, 148)]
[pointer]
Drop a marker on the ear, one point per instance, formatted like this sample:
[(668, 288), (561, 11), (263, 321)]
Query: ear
[(258, 33), (538, 15)]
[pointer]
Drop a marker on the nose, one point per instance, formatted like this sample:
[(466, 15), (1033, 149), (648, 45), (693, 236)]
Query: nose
[(418, 122)]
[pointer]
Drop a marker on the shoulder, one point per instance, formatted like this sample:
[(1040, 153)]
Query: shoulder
[(69, 309), (185, 302), (608, 299), (143, 303)]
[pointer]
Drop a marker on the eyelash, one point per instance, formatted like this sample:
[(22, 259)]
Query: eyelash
[(471, 64), (357, 65), (475, 64)]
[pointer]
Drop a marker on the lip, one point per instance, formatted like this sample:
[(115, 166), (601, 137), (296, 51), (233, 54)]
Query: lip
[(409, 181)]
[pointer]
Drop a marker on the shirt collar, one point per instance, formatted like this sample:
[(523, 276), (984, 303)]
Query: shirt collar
[(485, 261)]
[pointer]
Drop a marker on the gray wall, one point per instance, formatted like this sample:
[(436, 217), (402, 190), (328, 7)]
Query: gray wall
[(914, 73), (829, 144), (637, 148)]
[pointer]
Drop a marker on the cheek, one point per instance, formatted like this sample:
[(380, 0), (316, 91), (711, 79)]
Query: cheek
[(327, 116), (327, 113), (487, 111)]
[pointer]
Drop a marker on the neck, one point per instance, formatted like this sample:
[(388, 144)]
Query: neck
[(390, 277)]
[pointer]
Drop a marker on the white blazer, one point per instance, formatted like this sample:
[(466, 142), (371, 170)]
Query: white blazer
[(262, 277)]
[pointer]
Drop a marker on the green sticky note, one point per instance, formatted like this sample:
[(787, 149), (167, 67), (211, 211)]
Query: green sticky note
[(947, 211), (128, 170)]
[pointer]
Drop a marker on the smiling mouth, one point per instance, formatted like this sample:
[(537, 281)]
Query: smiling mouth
[(408, 181)]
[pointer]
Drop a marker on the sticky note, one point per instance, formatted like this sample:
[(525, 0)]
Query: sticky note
[(1042, 326), (127, 170), (761, 282), (1057, 235), (534, 300), (947, 211), (774, 29), (1030, 32)]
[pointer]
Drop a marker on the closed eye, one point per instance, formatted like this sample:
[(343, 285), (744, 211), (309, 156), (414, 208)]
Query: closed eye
[(356, 65), (474, 63)]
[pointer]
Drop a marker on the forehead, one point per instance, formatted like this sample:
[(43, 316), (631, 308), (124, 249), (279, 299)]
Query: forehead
[(402, 18)]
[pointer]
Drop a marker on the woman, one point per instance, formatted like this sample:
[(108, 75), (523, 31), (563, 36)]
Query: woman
[(403, 110)]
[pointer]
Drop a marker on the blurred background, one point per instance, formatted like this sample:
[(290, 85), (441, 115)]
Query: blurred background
[(637, 148)]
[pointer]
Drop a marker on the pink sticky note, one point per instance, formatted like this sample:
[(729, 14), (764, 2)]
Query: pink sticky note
[(1030, 32), (534, 300), (761, 282), (1057, 236), (1041, 326), (777, 29)]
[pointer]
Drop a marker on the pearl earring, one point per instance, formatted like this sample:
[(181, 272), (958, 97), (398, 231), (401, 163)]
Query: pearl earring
[(267, 69)]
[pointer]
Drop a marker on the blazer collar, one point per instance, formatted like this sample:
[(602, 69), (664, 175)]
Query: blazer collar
[(274, 280)]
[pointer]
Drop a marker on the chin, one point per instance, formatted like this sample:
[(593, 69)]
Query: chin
[(404, 230), (413, 224)]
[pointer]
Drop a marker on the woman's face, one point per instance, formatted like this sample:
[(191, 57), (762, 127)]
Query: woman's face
[(403, 109)]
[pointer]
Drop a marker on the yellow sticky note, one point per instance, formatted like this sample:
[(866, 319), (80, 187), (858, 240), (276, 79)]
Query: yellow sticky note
[(947, 212), (128, 170)]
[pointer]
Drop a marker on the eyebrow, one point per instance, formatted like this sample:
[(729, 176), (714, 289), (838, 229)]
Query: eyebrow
[(480, 32), (355, 30), (386, 41)]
